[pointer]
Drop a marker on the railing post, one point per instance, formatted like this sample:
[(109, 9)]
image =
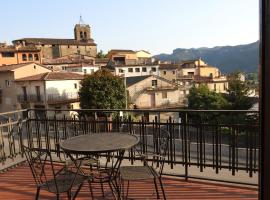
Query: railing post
[(185, 145)]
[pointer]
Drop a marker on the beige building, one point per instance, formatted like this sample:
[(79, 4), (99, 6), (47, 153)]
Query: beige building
[(169, 71), (82, 43), (8, 86), (153, 92), (11, 55), (129, 57), (198, 72), (72, 60), (50, 90)]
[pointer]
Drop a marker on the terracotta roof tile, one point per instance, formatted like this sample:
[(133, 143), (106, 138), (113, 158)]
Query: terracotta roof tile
[(51, 41), (49, 76)]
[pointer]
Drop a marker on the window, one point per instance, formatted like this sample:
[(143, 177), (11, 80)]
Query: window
[(191, 73), (75, 85), (7, 83), (35, 67), (92, 71), (30, 57), (1, 95), (164, 95), (68, 46), (164, 72), (64, 67), (137, 69), (121, 71), (24, 93), (24, 57), (130, 69), (36, 57), (154, 82), (8, 55), (173, 72), (38, 93), (144, 69), (154, 69), (215, 87), (84, 71)]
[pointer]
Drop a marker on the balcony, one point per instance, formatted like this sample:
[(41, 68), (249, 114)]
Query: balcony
[(212, 154), (31, 98), (62, 98)]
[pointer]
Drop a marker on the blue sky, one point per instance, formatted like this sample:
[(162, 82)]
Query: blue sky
[(154, 25)]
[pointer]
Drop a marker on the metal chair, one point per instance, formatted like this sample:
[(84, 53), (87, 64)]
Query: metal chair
[(153, 157), (53, 178)]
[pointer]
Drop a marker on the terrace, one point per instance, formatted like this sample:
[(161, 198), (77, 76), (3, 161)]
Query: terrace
[(212, 154)]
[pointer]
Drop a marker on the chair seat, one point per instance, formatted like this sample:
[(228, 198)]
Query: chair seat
[(137, 173), (64, 182)]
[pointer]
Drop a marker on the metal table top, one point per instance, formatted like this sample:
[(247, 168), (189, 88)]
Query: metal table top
[(99, 143)]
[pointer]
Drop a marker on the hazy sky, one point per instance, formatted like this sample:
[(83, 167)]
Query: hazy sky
[(154, 25)]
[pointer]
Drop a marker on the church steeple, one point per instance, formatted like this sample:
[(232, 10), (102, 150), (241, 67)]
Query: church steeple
[(82, 31)]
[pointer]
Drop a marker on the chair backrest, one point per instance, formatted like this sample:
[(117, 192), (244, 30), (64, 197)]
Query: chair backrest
[(154, 149), (41, 165)]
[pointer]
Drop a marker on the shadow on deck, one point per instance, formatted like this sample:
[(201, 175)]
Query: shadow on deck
[(18, 184)]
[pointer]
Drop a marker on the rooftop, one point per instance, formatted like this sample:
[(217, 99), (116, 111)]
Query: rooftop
[(19, 49), (50, 76), (51, 41)]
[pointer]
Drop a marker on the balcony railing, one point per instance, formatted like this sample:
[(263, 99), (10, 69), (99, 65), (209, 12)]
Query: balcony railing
[(30, 98), (219, 140), (66, 97)]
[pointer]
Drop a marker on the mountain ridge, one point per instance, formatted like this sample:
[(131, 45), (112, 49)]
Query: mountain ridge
[(243, 57)]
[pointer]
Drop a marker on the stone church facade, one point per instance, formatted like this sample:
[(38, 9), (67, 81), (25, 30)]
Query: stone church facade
[(55, 48)]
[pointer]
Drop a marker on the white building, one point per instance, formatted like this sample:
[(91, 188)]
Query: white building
[(50, 90), (136, 70), (82, 69)]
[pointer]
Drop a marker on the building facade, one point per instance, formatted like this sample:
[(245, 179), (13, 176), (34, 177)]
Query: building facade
[(154, 92), (50, 90), (8, 86), (11, 55), (82, 43)]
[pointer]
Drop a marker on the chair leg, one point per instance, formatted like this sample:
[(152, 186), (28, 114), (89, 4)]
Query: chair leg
[(69, 195), (111, 187), (91, 189), (162, 188), (127, 188), (156, 187), (37, 193), (77, 191), (102, 188), (58, 196)]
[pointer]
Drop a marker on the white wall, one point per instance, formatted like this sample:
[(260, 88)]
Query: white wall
[(126, 73)]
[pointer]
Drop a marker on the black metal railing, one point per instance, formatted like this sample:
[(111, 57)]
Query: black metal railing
[(30, 98), (202, 138)]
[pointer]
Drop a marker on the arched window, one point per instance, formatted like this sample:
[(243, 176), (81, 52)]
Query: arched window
[(36, 57), (81, 35), (85, 35), (30, 57), (24, 57)]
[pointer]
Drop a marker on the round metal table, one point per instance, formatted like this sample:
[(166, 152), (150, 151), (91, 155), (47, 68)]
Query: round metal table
[(99, 143)]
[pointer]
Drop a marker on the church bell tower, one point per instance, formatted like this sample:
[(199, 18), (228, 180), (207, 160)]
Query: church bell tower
[(82, 31)]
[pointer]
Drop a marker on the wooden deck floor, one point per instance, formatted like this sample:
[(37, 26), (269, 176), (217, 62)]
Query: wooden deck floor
[(18, 184)]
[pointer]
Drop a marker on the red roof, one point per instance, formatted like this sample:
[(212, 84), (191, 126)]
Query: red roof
[(50, 76)]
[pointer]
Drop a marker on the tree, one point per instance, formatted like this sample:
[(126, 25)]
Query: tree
[(102, 90), (238, 92), (201, 98), (100, 54)]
